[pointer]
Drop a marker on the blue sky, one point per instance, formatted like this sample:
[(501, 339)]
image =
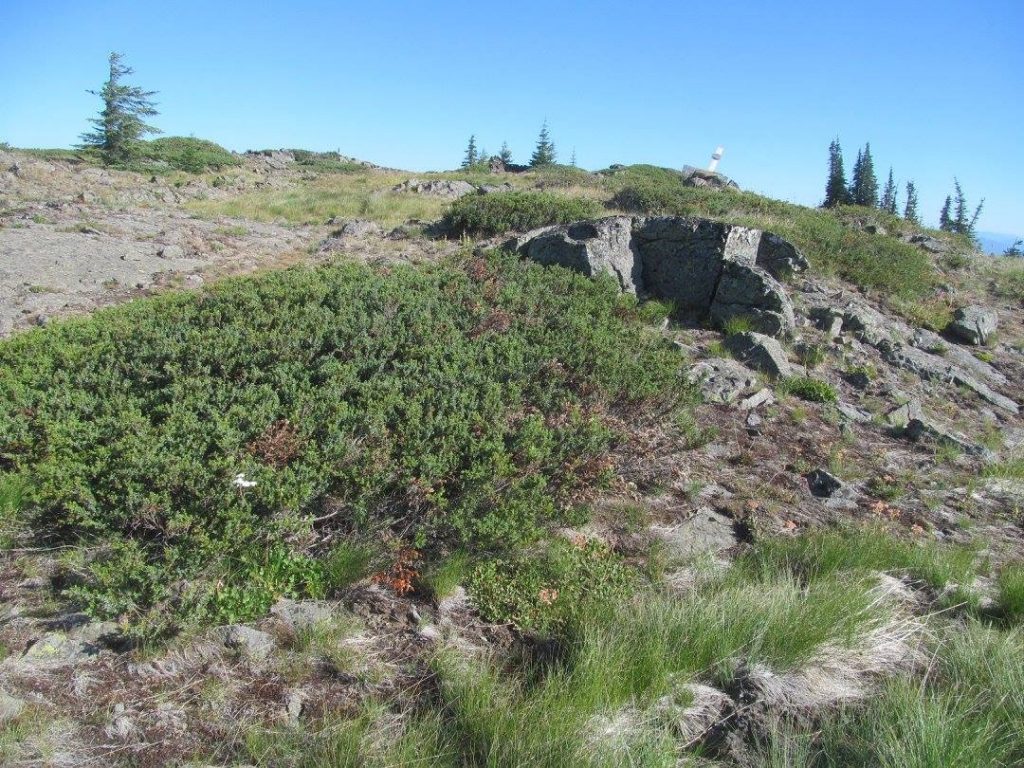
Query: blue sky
[(936, 87)]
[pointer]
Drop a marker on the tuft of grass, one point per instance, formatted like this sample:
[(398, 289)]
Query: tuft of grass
[(13, 495), (738, 324), (863, 549), (967, 712), (442, 579), (346, 563), (808, 388), (1011, 593), (494, 214)]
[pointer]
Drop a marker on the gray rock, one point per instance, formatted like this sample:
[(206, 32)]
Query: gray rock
[(706, 531), (490, 189), (698, 177), (925, 429), (246, 641), (10, 707), (171, 252), (59, 649), (829, 319), (851, 412), (973, 324), (928, 243), (760, 352), (705, 268), (721, 380), (868, 324), (932, 342), (302, 614), (436, 188), (358, 228), (823, 484), (604, 246), (751, 292), (929, 366), (902, 415), (759, 398)]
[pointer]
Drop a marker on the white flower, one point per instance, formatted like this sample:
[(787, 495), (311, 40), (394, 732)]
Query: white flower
[(241, 482)]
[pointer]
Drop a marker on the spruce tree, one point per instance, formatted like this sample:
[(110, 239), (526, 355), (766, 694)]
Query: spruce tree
[(572, 158), (544, 154), (853, 191), (506, 153), (836, 192), (910, 209), (866, 183), (120, 126), (945, 220), (471, 156), (889, 196)]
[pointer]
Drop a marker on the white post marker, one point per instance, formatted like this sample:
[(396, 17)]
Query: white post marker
[(715, 158)]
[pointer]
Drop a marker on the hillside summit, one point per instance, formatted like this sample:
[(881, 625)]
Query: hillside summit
[(307, 462)]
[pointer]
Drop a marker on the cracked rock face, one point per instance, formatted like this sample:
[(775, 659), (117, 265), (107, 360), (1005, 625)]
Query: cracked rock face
[(705, 268)]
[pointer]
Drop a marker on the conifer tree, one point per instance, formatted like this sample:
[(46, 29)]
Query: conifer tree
[(963, 223), (910, 209), (471, 155), (945, 220), (506, 153), (120, 125), (836, 192), (855, 178), (544, 154), (483, 155), (889, 196), (865, 183), (572, 158)]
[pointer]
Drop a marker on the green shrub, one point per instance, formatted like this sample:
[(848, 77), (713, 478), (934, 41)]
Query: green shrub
[(185, 153), (464, 403), (542, 591), (1011, 593), (807, 388), (500, 212)]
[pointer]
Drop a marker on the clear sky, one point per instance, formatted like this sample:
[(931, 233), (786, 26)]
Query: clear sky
[(937, 87)]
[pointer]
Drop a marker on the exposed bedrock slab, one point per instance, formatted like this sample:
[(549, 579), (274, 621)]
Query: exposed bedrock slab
[(706, 268)]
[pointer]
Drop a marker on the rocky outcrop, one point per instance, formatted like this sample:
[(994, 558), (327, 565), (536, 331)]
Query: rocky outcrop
[(760, 352), (436, 187), (973, 324), (597, 247), (707, 269)]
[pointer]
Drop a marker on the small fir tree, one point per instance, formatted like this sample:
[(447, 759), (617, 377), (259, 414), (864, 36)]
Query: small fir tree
[(471, 155), (910, 208), (572, 158), (945, 219), (1015, 251), (889, 204), (963, 223), (544, 154), (855, 178), (120, 125), (836, 192), (505, 154)]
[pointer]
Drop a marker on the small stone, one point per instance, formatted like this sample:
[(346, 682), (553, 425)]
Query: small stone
[(823, 484), (301, 615), (761, 397), (760, 352), (171, 252), (247, 641)]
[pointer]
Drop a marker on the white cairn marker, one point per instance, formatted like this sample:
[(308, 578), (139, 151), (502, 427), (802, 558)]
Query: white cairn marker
[(715, 158)]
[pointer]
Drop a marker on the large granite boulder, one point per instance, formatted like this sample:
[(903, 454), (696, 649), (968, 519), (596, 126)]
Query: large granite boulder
[(597, 247), (973, 324), (707, 269)]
